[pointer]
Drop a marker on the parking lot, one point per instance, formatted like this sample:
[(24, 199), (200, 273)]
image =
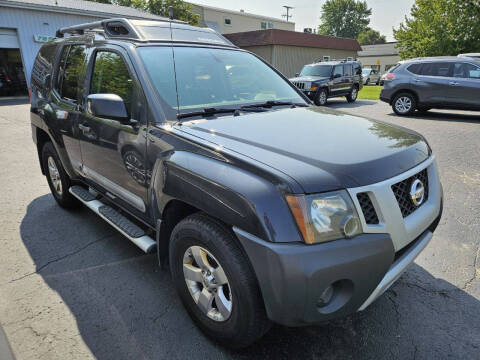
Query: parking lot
[(73, 288)]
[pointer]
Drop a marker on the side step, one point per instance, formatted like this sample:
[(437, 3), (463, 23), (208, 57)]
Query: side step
[(131, 231)]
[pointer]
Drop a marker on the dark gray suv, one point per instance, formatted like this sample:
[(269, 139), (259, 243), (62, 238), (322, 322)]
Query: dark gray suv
[(439, 82)]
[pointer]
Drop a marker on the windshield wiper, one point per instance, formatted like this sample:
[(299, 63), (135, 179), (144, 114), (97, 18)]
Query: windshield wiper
[(271, 103), (212, 111)]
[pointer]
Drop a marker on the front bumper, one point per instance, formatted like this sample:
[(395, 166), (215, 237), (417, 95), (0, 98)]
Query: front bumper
[(293, 276)]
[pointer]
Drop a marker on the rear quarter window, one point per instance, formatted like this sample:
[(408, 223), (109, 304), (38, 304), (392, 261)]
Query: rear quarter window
[(414, 69), (43, 65)]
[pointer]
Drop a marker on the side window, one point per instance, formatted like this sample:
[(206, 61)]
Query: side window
[(467, 71), (436, 69), (43, 64), (414, 69), (69, 72), (338, 70), (357, 69), (348, 70), (111, 76)]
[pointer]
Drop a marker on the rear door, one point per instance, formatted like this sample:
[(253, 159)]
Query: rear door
[(348, 76), (339, 83), (431, 81), (114, 151), (67, 89), (465, 85)]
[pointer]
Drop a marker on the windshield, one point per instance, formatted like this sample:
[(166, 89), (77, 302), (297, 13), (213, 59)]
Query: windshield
[(206, 78), (366, 71), (316, 70)]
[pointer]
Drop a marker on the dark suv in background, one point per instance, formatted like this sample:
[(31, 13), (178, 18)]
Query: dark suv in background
[(438, 82), (320, 81)]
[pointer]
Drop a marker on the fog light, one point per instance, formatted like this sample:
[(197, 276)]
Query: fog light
[(326, 296)]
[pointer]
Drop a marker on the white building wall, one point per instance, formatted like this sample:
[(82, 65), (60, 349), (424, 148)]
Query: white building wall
[(28, 23)]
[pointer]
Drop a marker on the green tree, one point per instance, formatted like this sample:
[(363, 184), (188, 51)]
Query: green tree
[(371, 37), (344, 18), (181, 10), (440, 27)]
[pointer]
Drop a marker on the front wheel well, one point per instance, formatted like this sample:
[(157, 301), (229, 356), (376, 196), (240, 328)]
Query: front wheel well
[(42, 139)]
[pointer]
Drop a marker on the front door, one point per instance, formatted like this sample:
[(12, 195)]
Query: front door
[(113, 151)]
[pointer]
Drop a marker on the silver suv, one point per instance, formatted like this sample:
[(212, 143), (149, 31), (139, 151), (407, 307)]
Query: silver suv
[(438, 82)]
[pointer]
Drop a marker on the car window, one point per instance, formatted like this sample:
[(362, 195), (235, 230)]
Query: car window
[(70, 71), (436, 69), (338, 70), (414, 69), (357, 68), (43, 64), (464, 70), (111, 76), (348, 70)]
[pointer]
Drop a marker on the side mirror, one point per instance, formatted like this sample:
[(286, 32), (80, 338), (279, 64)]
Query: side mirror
[(297, 74), (110, 106)]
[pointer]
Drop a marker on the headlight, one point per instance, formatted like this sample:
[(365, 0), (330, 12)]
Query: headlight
[(325, 217)]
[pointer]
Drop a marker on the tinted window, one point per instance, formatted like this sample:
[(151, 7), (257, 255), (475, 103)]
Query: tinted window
[(348, 70), (414, 68), (316, 70), (436, 69), (70, 71), (61, 69), (111, 76), (463, 70), (357, 69), (338, 70), (43, 64)]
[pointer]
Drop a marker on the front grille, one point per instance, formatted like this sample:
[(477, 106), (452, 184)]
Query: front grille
[(402, 192), (367, 208), (299, 85)]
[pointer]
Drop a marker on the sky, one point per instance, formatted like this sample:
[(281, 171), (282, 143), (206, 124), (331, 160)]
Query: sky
[(306, 13)]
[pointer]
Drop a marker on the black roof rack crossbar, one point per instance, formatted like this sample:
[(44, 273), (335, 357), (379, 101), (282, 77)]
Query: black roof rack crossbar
[(117, 27)]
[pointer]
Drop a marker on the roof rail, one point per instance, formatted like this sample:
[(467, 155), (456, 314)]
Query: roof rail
[(117, 27)]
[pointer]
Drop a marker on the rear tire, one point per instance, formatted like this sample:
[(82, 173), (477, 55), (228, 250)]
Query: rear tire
[(321, 97), (404, 104), (244, 320), (352, 97), (57, 178)]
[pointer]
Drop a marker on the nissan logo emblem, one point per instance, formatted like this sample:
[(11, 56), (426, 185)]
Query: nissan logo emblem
[(417, 192)]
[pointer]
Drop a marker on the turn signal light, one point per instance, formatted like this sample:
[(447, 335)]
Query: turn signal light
[(313, 88)]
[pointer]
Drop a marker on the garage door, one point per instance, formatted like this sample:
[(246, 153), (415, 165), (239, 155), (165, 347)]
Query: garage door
[(8, 39)]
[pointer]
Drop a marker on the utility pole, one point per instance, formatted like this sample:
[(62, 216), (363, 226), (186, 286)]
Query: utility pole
[(287, 15)]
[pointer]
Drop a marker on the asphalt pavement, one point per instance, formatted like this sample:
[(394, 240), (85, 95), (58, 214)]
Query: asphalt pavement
[(73, 288)]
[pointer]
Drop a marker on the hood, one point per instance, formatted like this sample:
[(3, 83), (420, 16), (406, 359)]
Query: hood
[(320, 148), (310, 78)]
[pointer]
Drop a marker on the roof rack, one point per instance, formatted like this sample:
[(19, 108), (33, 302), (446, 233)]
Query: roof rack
[(117, 27)]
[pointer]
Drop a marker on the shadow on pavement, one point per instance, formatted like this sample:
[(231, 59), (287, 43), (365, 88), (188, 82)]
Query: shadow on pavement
[(21, 100), (126, 307), (444, 116), (358, 103)]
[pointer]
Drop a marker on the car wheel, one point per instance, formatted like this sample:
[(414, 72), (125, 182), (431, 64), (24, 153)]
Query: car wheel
[(353, 94), (367, 81), (57, 178), (378, 82), (404, 104), (216, 282), (321, 97)]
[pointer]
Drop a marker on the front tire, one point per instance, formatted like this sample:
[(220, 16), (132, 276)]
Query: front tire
[(352, 97), (404, 104), (321, 97), (216, 283), (58, 180)]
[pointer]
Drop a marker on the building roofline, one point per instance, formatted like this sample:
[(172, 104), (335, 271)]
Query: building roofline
[(90, 13), (235, 12)]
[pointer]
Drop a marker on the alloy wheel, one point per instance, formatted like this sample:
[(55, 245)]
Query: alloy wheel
[(323, 98), (403, 104), (354, 93), (54, 175), (207, 283)]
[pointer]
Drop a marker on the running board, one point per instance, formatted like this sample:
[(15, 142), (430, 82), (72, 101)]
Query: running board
[(127, 228)]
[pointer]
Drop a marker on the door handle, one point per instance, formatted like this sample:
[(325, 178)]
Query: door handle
[(417, 80), (453, 83), (84, 128)]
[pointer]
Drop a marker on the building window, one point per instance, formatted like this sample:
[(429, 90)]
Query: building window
[(228, 21), (326, 58), (263, 25), (270, 25)]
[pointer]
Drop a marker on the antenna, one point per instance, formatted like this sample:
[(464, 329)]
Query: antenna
[(170, 12), (287, 15)]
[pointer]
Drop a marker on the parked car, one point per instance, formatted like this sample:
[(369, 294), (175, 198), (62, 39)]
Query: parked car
[(324, 80), (370, 76), (265, 208), (438, 82), (6, 87), (475, 56)]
